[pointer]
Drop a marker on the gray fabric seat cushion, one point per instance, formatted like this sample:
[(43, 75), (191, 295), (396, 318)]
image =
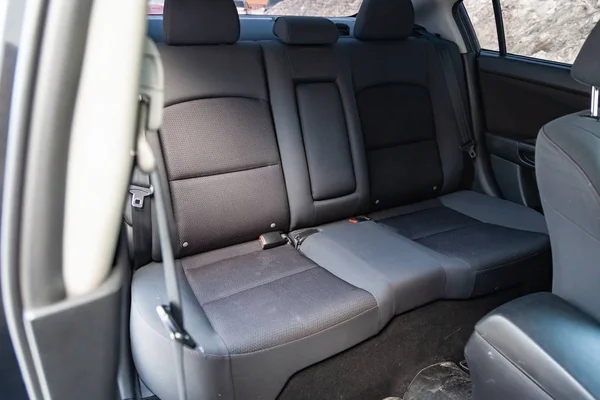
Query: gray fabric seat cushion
[(248, 310), (393, 268), (481, 245), (499, 241), (268, 298)]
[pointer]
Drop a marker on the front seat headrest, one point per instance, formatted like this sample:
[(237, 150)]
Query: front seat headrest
[(586, 68), (197, 22), (384, 20)]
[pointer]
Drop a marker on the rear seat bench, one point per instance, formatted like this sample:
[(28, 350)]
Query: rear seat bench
[(297, 133), (413, 153)]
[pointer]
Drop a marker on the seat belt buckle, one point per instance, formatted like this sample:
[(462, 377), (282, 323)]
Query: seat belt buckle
[(272, 239), (469, 148), (176, 333), (299, 237), (138, 194), (361, 218)]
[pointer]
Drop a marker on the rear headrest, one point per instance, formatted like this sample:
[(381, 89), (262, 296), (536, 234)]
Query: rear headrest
[(384, 20), (193, 22), (305, 30), (586, 68)]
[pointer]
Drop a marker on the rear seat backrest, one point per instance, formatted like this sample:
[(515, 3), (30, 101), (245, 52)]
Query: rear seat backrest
[(316, 122), (410, 131), (218, 141)]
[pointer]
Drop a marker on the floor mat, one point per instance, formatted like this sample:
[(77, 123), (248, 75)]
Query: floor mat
[(442, 381), (384, 365)]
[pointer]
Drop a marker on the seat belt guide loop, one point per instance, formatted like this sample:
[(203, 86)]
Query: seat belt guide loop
[(176, 333), (469, 148)]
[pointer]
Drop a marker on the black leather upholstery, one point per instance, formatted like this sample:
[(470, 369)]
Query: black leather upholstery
[(536, 347)]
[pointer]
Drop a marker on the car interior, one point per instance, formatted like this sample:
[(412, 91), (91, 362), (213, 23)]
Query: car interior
[(298, 207)]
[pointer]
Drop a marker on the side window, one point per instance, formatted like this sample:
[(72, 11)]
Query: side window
[(481, 13), (550, 30)]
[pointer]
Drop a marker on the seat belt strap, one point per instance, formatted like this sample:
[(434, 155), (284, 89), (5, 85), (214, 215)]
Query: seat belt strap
[(150, 119), (141, 217), (456, 96)]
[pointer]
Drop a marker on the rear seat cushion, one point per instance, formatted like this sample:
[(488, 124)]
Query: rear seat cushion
[(247, 309), (393, 268), (494, 237)]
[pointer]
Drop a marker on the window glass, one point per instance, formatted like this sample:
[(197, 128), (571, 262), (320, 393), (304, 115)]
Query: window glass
[(548, 29), (481, 14), (322, 8)]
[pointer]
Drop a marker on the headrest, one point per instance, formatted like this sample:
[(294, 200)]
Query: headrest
[(586, 68), (305, 30), (193, 22), (384, 20)]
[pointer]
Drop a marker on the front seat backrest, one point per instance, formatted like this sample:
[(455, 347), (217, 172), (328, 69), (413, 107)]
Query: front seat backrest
[(568, 172)]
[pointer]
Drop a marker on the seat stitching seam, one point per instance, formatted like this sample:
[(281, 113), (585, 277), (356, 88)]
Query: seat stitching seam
[(442, 232), (509, 263), (226, 172), (571, 221), (409, 143), (201, 98), (577, 166), (256, 286)]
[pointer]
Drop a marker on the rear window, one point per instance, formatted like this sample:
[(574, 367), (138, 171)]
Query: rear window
[(318, 8)]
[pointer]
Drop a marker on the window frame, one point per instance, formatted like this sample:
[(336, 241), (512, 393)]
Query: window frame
[(463, 20)]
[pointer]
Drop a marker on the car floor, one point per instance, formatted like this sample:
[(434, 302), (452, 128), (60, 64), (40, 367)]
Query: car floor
[(11, 383), (385, 365)]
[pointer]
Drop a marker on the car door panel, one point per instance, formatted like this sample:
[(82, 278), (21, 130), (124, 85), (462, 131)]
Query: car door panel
[(519, 95)]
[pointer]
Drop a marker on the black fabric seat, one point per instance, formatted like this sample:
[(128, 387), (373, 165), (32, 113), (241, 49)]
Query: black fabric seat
[(460, 243), (483, 243), (258, 316), (413, 151), (302, 132), (324, 164)]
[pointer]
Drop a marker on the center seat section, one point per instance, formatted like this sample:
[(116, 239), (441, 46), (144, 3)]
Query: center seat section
[(415, 168), (257, 316), (325, 168)]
